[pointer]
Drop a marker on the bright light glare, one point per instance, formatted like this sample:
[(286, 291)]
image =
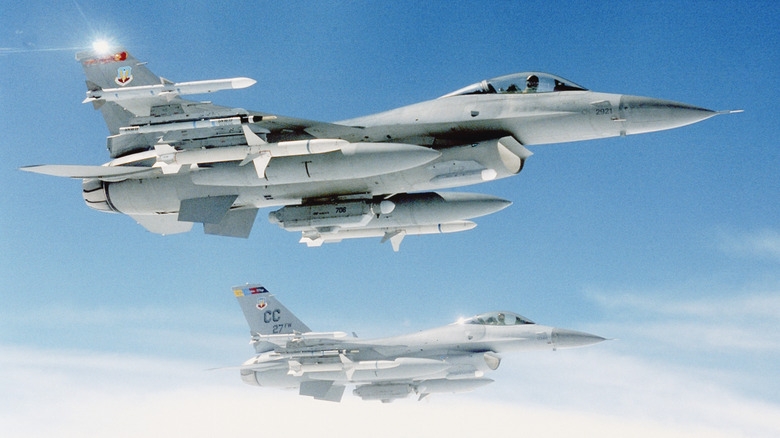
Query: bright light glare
[(102, 47)]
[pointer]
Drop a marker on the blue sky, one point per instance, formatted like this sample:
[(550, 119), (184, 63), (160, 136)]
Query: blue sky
[(668, 241)]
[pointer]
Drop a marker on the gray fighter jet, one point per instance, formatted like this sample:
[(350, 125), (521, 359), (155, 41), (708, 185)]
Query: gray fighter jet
[(177, 162), (453, 358)]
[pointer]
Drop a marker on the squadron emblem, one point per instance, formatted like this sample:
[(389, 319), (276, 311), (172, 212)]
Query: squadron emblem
[(124, 75)]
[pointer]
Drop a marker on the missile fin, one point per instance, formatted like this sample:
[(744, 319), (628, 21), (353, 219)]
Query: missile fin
[(395, 238), (389, 235), (252, 139), (295, 368), (312, 241), (166, 168), (249, 157), (261, 162), (164, 148)]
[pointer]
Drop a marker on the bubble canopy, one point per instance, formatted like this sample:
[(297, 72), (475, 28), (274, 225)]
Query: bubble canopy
[(498, 318), (520, 83)]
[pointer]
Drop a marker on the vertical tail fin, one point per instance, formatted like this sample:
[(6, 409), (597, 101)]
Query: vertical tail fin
[(265, 314), (115, 69)]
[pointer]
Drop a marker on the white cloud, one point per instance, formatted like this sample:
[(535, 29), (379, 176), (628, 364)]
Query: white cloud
[(763, 243), (586, 393), (55, 313), (638, 389), (727, 306), (737, 322)]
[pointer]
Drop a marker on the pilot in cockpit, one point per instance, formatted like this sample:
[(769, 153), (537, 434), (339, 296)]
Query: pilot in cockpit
[(531, 84)]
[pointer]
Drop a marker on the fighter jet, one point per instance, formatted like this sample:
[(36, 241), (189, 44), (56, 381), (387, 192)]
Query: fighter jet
[(448, 359), (176, 162)]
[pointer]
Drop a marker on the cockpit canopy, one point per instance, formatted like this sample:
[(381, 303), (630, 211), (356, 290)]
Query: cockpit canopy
[(520, 83), (498, 318)]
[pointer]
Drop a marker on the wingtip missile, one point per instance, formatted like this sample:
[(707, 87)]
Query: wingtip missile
[(167, 89), (242, 82)]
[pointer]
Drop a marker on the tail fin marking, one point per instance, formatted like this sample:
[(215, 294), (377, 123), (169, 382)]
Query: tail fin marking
[(265, 314)]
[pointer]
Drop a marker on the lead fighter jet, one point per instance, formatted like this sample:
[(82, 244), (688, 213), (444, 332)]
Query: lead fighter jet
[(177, 162), (453, 358)]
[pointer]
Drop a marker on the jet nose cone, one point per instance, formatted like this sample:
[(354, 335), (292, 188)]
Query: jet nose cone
[(563, 338), (646, 114)]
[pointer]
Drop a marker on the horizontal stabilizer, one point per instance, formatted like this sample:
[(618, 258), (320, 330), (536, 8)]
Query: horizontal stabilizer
[(162, 223), (236, 223), (82, 171), (208, 210)]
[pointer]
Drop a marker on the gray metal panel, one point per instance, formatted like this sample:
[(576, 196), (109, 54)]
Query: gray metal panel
[(208, 210), (265, 314), (322, 390), (236, 223)]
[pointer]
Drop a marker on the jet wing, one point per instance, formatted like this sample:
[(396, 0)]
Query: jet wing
[(86, 171)]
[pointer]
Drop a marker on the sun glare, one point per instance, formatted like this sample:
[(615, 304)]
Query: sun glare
[(102, 47)]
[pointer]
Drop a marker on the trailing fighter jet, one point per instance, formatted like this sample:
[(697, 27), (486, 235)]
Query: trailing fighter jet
[(177, 162), (453, 358)]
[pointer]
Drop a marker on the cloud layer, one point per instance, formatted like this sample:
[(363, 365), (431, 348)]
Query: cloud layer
[(568, 393)]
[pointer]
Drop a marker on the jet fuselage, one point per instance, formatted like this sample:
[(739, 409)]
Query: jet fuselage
[(179, 162)]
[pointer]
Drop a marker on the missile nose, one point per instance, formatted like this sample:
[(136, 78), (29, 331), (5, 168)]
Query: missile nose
[(563, 338), (472, 205), (237, 83), (647, 114)]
